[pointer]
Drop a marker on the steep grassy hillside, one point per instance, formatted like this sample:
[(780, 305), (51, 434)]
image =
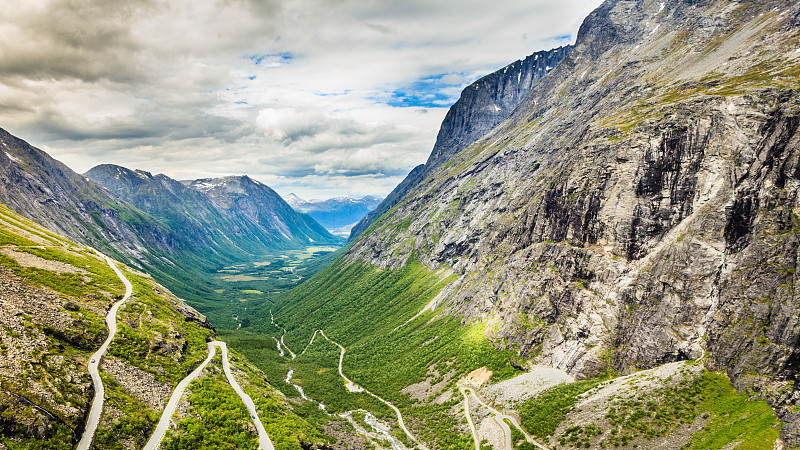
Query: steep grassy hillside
[(54, 295), (372, 313)]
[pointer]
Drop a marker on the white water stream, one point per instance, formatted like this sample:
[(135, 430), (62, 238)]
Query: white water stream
[(299, 389), (373, 422)]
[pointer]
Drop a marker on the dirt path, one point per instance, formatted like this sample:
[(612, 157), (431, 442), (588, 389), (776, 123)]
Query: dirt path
[(94, 363), (353, 387), (272, 320)]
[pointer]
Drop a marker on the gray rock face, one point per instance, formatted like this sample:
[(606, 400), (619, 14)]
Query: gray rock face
[(483, 104), (258, 203), (640, 206), (488, 101)]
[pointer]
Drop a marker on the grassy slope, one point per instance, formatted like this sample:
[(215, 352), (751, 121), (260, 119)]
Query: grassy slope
[(60, 349), (152, 336), (636, 419), (362, 307)]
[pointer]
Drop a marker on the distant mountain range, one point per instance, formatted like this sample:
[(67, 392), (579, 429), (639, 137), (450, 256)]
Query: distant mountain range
[(338, 214)]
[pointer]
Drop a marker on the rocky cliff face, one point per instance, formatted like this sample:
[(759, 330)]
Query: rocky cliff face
[(483, 104), (640, 204)]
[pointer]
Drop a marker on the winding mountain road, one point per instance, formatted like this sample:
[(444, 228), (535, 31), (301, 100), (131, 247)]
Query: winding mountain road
[(352, 387), (94, 363), (469, 418), (500, 419), (96, 410), (264, 441), (166, 415)]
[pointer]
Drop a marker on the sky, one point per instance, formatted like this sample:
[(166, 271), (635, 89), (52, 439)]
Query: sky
[(321, 98)]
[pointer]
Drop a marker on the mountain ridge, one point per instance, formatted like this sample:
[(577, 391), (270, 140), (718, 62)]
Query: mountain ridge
[(208, 210), (481, 106)]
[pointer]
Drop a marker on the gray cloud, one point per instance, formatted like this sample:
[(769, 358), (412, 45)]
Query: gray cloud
[(296, 93)]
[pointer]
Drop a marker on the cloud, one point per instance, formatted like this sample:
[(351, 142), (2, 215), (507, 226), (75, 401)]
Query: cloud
[(321, 97)]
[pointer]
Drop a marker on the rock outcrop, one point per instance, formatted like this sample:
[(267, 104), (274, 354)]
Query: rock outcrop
[(483, 104)]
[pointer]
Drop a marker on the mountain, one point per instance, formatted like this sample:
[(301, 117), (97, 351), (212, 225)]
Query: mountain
[(255, 201), (336, 214), (483, 104), (179, 235), (636, 210), (54, 298), (48, 192), (293, 200), (213, 212)]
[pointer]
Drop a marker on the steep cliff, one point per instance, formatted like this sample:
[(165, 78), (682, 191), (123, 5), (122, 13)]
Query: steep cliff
[(638, 207), (483, 104)]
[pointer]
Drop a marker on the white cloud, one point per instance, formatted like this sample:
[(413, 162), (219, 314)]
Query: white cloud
[(293, 92)]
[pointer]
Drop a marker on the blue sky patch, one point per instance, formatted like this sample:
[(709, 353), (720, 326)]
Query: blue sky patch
[(434, 91), (272, 59)]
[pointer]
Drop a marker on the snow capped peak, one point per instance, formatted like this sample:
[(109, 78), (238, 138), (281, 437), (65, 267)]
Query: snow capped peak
[(293, 200)]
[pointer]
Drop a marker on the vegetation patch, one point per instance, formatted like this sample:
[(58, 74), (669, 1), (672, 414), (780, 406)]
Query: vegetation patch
[(218, 419), (368, 311), (541, 415), (633, 420), (734, 417)]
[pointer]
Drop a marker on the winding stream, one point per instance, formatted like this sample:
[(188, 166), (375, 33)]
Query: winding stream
[(373, 422)]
